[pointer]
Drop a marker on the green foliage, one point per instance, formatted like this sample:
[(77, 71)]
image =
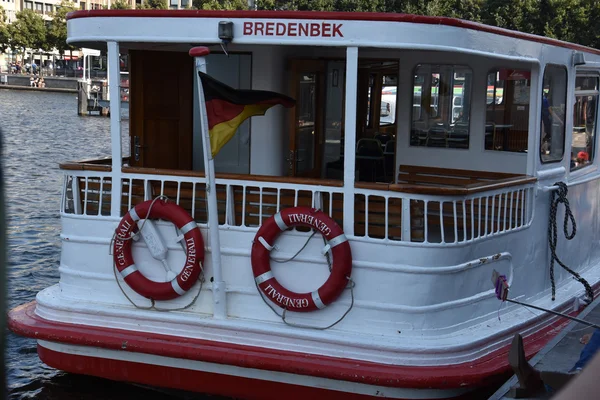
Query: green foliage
[(590, 32), (4, 35), (155, 5), (57, 28), (563, 19), (220, 4), (120, 5), (520, 15), (28, 31)]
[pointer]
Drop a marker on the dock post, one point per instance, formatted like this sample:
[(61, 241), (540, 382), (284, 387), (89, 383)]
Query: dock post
[(105, 111), (82, 100)]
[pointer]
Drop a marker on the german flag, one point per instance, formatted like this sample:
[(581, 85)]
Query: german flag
[(227, 108)]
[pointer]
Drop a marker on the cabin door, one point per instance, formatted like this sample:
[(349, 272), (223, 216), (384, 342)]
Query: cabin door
[(161, 109), (306, 133)]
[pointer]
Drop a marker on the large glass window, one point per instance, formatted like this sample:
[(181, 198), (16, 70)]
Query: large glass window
[(507, 110), (554, 99), (441, 106), (585, 116)]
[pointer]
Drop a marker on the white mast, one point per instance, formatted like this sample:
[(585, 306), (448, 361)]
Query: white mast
[(218, 286)]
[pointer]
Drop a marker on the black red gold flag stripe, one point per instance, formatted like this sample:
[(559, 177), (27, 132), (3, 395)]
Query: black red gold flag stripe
[(227, 108)]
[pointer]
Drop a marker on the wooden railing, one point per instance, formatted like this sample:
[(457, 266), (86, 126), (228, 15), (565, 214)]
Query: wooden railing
[(427, 204)]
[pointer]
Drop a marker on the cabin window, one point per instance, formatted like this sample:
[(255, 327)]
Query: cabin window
[(507, 110), (441, 106), (385, 86), (585, 115), (554, 99)]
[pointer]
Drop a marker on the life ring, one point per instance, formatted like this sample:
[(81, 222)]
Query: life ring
[(194, 245), (337, 243)]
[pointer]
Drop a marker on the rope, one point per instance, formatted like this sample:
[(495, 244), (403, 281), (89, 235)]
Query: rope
[(560, 196), (152, 301), (281, 261)]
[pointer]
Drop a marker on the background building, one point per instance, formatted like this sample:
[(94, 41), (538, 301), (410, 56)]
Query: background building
[(12, 7)]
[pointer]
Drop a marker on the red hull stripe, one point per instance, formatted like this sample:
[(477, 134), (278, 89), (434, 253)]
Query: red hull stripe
[(23, 321), (340, 16), (190, 380)]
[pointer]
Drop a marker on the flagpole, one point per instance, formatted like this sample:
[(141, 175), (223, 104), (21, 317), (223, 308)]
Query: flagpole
[(218, 286)]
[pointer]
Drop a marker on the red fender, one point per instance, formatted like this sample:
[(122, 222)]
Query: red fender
[(194, 245), (340, 249)]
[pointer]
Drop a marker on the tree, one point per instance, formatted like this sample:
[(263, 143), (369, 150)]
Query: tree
[(4, 35), (220, 4), (519, 15), (590, 35), (57, 28), (155, 4), (564, 19), (120, 5), (28, 31)]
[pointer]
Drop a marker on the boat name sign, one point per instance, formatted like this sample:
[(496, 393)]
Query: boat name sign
[(324, 29)]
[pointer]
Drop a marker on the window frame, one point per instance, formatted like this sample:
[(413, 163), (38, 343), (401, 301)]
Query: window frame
[(427, 74), (541, 135), (505, 89), (590, 74)]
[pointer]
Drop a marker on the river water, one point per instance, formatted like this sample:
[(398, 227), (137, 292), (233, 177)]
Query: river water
[(41, 130)]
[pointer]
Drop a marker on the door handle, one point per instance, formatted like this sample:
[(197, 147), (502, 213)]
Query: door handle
[(290, 159), (137, 148)]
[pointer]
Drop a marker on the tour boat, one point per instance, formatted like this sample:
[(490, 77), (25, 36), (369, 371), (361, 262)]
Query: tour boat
[(399, 179)]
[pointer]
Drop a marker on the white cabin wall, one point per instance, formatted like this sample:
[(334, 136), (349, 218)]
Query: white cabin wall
[(270, 133), (475, 158)]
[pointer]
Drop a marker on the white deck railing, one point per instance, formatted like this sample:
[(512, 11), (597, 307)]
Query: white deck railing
[(380, 215)]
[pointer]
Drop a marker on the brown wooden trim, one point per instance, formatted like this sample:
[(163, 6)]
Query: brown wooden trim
[(257, 178), (465, 190), (92, 164), (78, 166), (455, 172), (372, 185)]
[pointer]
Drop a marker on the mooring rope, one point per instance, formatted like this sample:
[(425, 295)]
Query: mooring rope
[(557, 197)]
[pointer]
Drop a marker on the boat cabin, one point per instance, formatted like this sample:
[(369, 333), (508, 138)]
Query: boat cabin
[(425, 120)]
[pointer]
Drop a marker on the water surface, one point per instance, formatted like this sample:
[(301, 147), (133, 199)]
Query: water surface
[(41, 130)]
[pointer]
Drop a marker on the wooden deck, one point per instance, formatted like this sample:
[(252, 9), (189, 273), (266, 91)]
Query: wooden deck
[(560, 354)]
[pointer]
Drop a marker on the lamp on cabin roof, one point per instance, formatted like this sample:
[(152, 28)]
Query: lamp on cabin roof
[(578, 58), (225, 33)]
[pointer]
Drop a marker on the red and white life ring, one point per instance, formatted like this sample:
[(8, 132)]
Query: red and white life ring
[(194, 245), (338, 245)]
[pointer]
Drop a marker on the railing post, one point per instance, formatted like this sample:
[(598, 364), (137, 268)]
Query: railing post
[(406, 218), (350, 138), (114, 81)]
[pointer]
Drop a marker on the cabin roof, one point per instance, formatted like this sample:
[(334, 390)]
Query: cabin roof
[(328, 15)]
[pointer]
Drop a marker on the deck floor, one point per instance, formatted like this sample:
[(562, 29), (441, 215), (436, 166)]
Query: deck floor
[(559, 355)]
